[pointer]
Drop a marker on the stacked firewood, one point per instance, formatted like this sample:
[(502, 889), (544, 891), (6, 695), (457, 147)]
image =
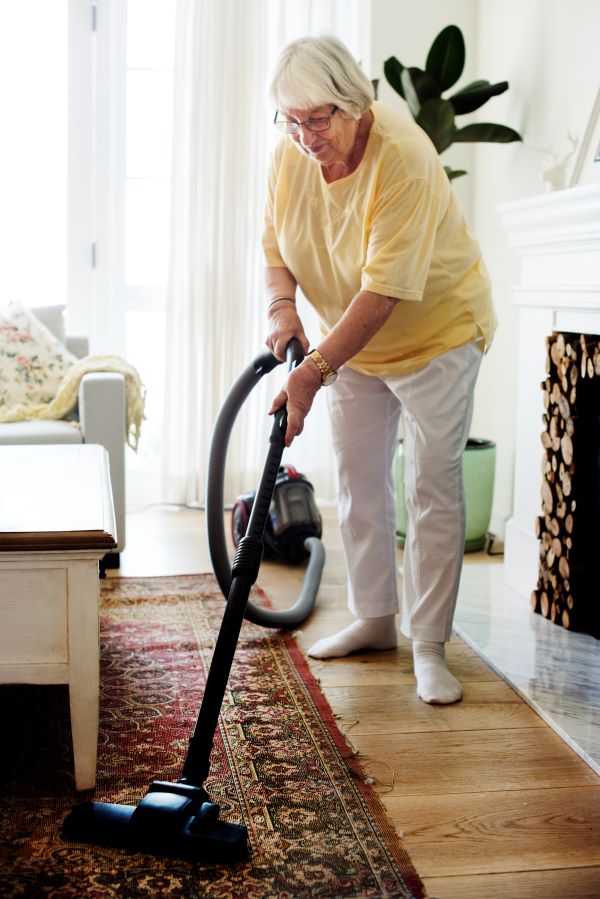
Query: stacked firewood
[(569, 529)]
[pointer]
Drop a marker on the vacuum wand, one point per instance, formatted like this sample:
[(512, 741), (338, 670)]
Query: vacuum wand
[(179, 818), (244, 573)]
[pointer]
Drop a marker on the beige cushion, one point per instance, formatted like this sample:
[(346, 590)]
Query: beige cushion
[(39, 432), (32, 360)]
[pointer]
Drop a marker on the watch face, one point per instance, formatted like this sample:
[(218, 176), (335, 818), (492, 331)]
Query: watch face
[(330, 378)]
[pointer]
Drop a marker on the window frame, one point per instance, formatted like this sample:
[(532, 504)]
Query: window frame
[(98, 296)]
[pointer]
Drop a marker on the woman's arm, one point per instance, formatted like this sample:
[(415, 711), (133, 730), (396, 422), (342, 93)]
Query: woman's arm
[(283, 320), (279, 282), (366, 314), (363, 318)]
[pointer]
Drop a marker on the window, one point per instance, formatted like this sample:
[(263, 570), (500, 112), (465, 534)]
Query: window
[(85, 178), (33, 152), (148, 130), (133, 136)]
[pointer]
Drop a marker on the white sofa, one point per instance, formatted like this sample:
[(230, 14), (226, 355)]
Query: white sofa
[(102, 419)]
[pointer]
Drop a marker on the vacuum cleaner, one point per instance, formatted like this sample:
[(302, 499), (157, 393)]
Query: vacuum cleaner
[(293, 517), (179, 818)]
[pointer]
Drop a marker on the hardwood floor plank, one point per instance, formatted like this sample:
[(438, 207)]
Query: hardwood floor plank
[(398, 709), (466, 761), (396, 666), (566, 883), (489, 833)]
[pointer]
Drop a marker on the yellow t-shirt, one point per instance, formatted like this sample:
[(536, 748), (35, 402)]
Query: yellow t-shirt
[(393, 227)]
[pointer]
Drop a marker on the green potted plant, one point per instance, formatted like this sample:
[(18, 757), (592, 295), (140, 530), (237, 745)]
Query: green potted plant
[(479, 467), (422, 90)]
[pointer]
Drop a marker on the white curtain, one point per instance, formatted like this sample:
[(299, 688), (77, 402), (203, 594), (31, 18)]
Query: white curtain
[(215, 309)]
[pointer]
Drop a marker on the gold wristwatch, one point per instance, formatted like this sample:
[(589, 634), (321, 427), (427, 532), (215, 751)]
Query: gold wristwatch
[(328, 374)]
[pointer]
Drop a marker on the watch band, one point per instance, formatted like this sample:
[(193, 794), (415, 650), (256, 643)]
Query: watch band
[(328, 374)]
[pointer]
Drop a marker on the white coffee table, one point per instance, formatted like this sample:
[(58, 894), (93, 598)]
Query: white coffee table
[(56, 522)]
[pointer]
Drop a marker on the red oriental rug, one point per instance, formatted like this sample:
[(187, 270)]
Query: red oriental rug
[(280, 765)]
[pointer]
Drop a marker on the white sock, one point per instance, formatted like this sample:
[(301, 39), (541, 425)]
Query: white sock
[(364, 633), (435, 684)]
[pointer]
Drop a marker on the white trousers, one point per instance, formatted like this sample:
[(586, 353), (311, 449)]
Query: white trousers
[(436, 404)]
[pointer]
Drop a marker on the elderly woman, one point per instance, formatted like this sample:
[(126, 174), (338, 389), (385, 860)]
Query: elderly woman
[(362, 218)]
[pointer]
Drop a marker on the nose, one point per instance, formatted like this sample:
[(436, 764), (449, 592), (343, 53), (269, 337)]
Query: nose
[(306, 136)]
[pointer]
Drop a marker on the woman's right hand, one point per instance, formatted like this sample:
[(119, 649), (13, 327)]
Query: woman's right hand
[(283, 324)]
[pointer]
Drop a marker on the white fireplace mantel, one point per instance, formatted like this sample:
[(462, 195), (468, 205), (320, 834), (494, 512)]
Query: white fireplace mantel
[(557, 237)]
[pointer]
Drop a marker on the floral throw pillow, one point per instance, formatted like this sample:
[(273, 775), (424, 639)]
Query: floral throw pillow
[(32, 360)]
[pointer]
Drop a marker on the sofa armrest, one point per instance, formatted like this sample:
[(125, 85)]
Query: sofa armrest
[(102, 415)]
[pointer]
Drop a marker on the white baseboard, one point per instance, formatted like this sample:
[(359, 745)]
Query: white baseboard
[(521, 558), (498, 526)]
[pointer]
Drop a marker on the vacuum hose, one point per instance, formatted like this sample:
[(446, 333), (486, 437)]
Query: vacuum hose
[(249, 378)]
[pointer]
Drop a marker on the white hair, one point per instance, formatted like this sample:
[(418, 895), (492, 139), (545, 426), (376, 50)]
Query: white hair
[(316, 71)]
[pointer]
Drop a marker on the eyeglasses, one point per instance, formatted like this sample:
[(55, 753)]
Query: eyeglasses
[(314, 123)]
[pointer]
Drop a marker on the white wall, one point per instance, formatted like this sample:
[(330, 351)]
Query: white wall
[(548, 52), (406, 30)]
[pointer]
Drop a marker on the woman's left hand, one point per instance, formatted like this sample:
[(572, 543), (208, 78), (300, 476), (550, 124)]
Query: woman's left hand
[(298, 394)]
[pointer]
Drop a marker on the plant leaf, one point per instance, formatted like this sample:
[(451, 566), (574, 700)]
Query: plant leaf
[(454, 173), (472, 85), (446, 58), (392, 69), (410, 94), (436, 118), (472, 97), (487, 132), (424, 85)]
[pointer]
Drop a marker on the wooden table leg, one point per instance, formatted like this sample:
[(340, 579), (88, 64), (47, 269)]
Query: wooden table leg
[(84, 668)]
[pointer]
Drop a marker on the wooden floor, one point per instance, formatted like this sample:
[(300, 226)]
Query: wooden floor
[(489, 801)]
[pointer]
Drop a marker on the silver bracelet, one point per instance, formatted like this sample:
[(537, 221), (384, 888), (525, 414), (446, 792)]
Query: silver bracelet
[(278, 299)]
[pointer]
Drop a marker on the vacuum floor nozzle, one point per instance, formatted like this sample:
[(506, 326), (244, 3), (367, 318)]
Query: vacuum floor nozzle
[(172, 819)]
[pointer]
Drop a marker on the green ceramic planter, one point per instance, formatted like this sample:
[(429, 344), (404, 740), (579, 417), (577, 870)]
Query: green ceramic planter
[(479, 464)]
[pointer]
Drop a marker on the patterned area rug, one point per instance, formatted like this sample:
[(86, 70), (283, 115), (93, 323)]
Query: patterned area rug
[(280, 765)]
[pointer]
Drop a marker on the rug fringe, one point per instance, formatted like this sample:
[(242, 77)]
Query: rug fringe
[(372, 779), (348, 722)]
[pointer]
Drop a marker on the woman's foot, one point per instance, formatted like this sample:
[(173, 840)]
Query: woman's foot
[(364, 633), (435, 684)]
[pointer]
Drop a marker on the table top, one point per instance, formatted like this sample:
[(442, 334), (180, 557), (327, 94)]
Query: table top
[(55, 497)]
